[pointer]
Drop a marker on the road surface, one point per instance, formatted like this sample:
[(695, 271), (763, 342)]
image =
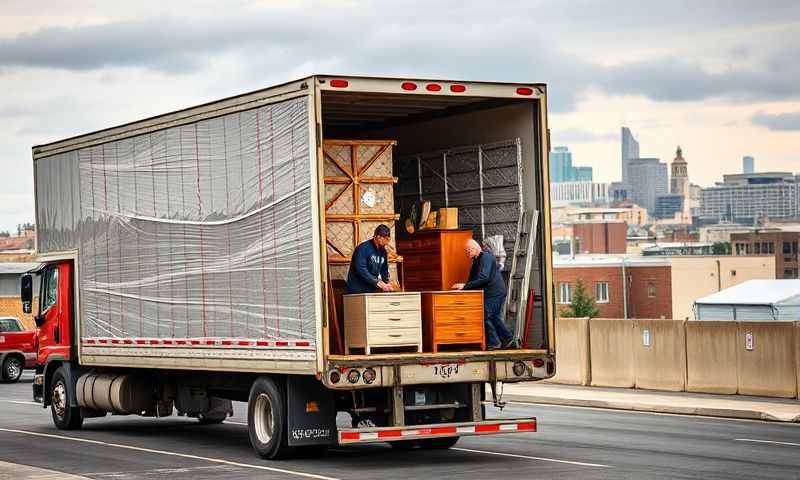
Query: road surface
[(571, 443)]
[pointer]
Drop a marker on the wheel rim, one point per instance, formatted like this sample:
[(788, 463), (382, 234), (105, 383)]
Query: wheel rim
[(263, 418), (59, 399), (13, 368)]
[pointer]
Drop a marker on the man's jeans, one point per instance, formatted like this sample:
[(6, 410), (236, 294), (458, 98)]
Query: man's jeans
[(496, 331)]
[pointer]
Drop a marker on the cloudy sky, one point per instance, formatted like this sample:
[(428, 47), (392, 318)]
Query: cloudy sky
[(720, 78)]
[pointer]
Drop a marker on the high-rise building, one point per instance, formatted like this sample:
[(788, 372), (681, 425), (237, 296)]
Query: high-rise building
[(560, 164), (578, 193), (748, 164), (746, 197), (647, 179), (630, 150), (583, 174), (561, 169)]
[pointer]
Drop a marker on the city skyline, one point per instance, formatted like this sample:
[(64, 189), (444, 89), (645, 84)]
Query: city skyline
[(719, 82)]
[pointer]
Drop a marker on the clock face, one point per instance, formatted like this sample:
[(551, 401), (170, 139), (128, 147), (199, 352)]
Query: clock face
[(368, 198)]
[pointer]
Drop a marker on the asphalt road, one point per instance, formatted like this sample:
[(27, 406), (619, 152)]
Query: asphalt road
[(571, 443)]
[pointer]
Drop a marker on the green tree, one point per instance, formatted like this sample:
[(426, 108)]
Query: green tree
[(721, 248), (582, 304)]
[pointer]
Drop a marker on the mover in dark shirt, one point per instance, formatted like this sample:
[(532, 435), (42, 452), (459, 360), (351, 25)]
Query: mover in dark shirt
[(369, 266), (485, 275)]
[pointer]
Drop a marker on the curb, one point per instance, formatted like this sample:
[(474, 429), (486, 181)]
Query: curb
[(748, 414)]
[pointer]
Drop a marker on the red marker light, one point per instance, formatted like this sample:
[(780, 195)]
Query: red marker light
[(432, 87), (524, 91), (408, 86), (337, 83), (458, 88)]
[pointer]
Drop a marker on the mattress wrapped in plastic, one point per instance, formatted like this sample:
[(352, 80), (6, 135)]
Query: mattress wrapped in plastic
[(198, 231)]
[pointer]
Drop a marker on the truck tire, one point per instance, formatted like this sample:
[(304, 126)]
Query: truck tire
[(438, 443), (64, 416), (266, 419), (12, 369)]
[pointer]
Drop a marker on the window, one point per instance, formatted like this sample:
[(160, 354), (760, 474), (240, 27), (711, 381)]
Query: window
[(787, 247), (757, 248), (788, 273), (9, 325), (771, 247), (50, 289), (601, 292), (651, 289), (564, 294)]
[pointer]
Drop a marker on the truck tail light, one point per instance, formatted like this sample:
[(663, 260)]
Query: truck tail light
[(335, 376), (433, 87), (538, 363), (369, 375), (524, 91), (353, 376), (458, 88), (408, 86), (339, 83), (519, 368)]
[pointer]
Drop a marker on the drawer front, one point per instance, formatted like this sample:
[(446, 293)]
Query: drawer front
[(424, 243), (399, 319), (421, 261), (394, 336), (467, 333), (459, 316), (393, 303), (458, 300)]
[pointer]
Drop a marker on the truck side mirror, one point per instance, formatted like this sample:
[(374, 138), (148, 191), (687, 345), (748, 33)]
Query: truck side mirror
[(26, 292)]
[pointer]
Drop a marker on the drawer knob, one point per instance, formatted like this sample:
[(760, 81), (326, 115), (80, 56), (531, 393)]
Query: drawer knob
[(460, 334), (395, 319), (394, 304), (395, 335)]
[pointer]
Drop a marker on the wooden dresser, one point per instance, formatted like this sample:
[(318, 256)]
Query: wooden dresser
[(381, 320), (434, 259), (453, 318)]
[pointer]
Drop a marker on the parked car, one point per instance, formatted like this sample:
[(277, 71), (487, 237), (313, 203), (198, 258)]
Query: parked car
[(17, 349)]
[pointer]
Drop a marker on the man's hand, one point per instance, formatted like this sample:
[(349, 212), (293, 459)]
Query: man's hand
[(385, 287), (457, 286)]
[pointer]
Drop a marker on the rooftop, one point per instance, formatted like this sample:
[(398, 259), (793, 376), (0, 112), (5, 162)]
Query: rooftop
[(755, 292), (16, 267), (589, 260)]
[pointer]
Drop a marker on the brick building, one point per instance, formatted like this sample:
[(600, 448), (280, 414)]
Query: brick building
[(781, 244), (646, 293), (607, 236)]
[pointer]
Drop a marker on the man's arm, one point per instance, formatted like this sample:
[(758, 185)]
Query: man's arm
[(385, 269), (482, 278)]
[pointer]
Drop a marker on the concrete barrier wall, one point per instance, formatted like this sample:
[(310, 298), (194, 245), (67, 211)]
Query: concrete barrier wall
[(797, 355), (711, 357), (659, 353), (572, 354), (611, 352), (769, 368)]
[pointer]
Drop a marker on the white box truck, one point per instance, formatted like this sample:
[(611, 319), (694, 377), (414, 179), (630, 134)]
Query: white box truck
[(183, 262)]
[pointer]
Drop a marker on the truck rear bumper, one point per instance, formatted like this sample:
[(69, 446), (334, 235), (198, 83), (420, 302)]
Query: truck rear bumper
[(418, 432)]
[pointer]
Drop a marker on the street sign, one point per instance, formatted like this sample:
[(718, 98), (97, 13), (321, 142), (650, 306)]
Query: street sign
[(748, 341), (646, 337)]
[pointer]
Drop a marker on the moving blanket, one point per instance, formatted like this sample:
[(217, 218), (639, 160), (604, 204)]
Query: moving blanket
[(198, 231)]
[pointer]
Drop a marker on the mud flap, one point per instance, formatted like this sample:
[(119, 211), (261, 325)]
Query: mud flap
[(311, 412)]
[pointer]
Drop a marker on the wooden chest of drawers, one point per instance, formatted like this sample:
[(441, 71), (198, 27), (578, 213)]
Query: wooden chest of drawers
[(379, 320), (453, 318), (434, 259)]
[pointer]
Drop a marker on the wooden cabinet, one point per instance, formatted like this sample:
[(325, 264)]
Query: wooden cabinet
[(382, 320), (453, 318), (435, 259)]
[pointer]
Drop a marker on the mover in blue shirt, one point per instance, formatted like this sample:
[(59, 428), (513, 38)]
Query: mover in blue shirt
[(369, 267), (485, 275)]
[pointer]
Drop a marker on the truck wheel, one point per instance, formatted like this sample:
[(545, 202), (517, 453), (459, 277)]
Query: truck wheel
[(266, 419), (12, 369), (438, 443), (64, 416)]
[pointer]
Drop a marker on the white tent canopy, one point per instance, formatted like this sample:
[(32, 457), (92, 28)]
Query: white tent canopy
[(752, 300)]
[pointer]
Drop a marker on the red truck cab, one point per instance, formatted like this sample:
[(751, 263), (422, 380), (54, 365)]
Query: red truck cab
[(17, 349), (53, 314)]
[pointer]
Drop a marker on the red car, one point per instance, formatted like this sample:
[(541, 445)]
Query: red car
[(17, 349)]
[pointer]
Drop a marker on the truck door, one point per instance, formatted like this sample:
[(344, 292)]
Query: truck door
[(53, 319)]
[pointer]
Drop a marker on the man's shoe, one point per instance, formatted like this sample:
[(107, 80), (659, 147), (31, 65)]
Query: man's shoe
[(494, 347), (510, 345)]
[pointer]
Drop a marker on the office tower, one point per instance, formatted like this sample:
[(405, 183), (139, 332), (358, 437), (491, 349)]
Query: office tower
[(647, 179), (630, 150), (748, 164), (561, 165), (583, 174)]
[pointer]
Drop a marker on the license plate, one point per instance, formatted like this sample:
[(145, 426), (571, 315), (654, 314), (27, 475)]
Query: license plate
[(446, 370)]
